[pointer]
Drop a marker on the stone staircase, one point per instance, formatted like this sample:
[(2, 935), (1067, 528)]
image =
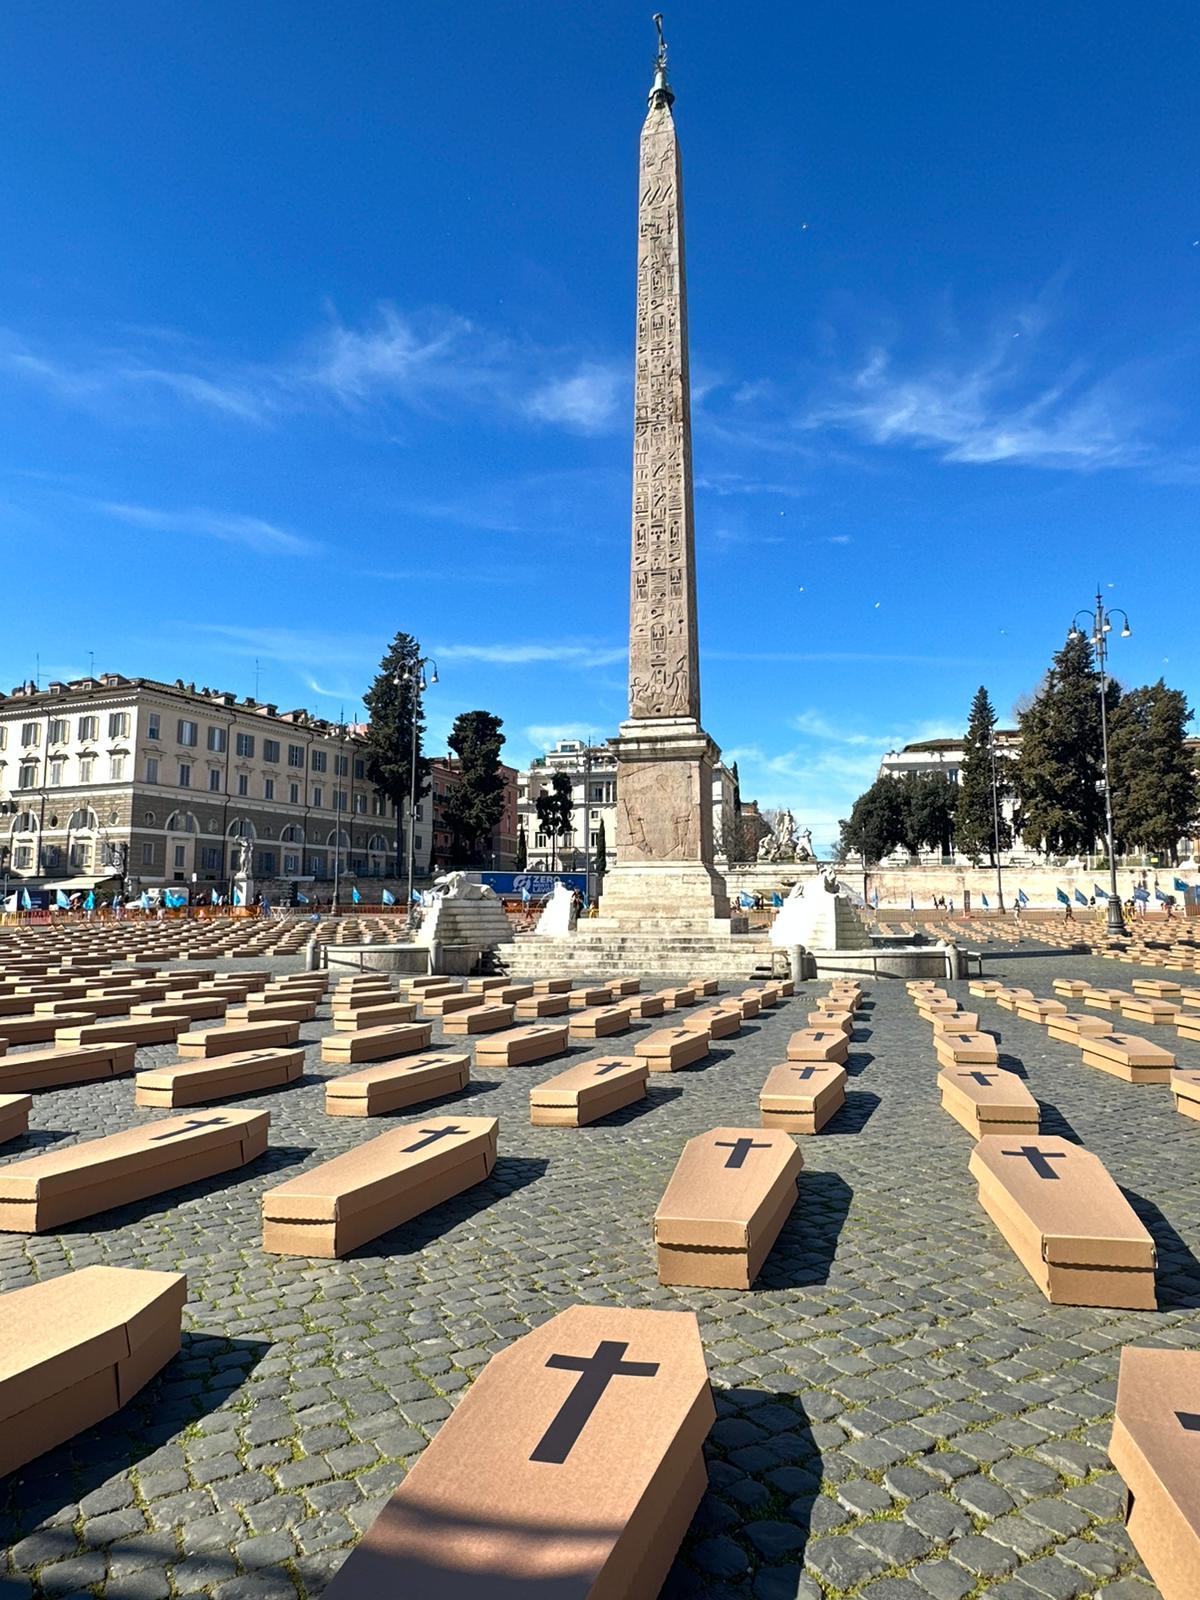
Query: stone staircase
[(650, 952)]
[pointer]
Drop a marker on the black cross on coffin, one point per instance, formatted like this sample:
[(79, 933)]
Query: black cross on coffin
[(613, 1066), (985, 1078), (1039, 1160), (739, 1149), (192, 1123), (595, 1374), (806, 1072), (432, 1135), (1189, 1420)]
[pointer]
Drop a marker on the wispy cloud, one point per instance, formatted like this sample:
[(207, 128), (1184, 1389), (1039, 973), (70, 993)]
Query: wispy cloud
[(233, 528), (516, 655), (542, 735), (587, 401), (295, 647)]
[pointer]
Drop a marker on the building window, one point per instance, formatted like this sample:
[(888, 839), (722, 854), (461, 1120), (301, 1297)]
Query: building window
[(185, 775), (341, 800), (118, 724), (28, 775), (216, 740), (59, 731), (81, 854), (23, 857), (268, 788), (291, 864), (243, 783), (319, 761), (295, 755), (360, 804), (89, 728), (87, 765), (148, 854), (270, 749), (360, 768), (317, 797), (151, 769), (293, 794), (341, 766), (416, 841), (180, 853), (245, 744), (266, 863), (539, 841), (214, 780), (186, 733), (57, 767), (116, 769), (152, 725), (210, 858), (31, 733)]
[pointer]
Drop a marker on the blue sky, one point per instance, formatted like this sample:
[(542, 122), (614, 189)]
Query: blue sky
[(316, 323)]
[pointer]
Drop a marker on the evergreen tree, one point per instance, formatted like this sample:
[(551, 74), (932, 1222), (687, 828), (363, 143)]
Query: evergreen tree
[(475, 804), (876, 824), (1155, 799), (522, 849), (601, 853), (975, 816), (393, 702), (555, 811), (1060, 769), (928, 803)]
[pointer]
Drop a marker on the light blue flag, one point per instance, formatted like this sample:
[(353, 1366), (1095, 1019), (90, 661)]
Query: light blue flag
[(355, 896), (1063, 898), (777, 898), (1158, 894), (986, 906), (90, 903), (387, 898), (144, 902), (214, 897), (61, 900), (1141, 894), (301, 899), (746, 902), (1180, 886), (26, 902), (238, 898), (1080, 897), (1022, 897), (416, 898), (1101, 894)]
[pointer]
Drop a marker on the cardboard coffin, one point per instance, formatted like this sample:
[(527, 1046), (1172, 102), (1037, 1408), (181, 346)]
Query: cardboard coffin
[(786, 987), (1074, 1026), (31, 1028), (670, 1049), (723, 1209), (1148, 1008), (1155, 1446), (586, 1092), (395, 1085), (376, 1044), (79, 1180), (445, 1005), (643, 1006), (1040, 1008), (377, 1186), (622, 986), (1072, 987), (1185, 1088), (193, 1083), (1009, 999), (552, 986), (485, 985), (720, 1022), (966, 1049), (1157, 988), (509, 993), (238, 1037), (832, 1019), (747, 1003), (543, 1005), (572, 1467), (701, 986), (955, 1022), (1068, 1224), (1126, 1056), (585, 999), (75, 1349), (1188, 1026), (986, 1100), (985, 988), (14, 1115), (55, 1069), (1103, 999), (124, 1030), (818, 1044), (410, 985), (600, 1022), (802, 1099), (274, 1009), (675, 999), (109, 1005), (486, 1018), (768, 996), (517, 1047), (195, 1007)]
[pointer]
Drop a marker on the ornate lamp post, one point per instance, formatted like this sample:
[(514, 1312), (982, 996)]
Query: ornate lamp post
[(417, 682), (1101, 620)]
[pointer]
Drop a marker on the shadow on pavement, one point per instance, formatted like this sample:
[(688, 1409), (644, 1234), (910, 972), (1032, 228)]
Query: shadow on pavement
[(805, 1249)]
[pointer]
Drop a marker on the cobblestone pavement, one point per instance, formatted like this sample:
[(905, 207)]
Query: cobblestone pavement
[(900, 1412)]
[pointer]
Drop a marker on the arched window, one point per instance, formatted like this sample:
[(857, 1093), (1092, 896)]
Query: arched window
[(181, 822), (82, 820), (24, 822), (241, 827), (339, 837), (148, 819), (377, 842), (291, 835)]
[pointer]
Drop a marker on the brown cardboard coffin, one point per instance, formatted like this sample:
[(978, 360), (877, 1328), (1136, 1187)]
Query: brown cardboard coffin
[(984, 988), (195, 1083), (986, 1100), (410, 985), (1072, 987), (236, 1038), (31, 1028), (1104, 999), (1188, 1026), (643, 1006), (967, 1049), (818, 1044), (508, 994), (593, 995), (722, 1211), (434, 1004), (75, 1349), (55, 1069), (543, 1005), (109, 1005), (381, 1015), (802, 1098), (1074, 1026), (486, 1018), (822, 1018), (486, 985), (1155, 1446), (374, 1044), (955, 1022), (343, 1001), (1126, 1056), (1147, 1008), (195, 1007), (395, 1085), (14, 1115), (1185, 1088), (585, 1092), (552, 986), (720, 1021), (600, 1022), (517, 1047), (669, 1049), (747, 1003), (702, 986), (79, 1180), (621, 986), (768, 995), (786, 987), (1068, 1224), (343, 1203), (1040, 1008), (676, 997), (1009, 999), (572, 1468), (124, 1030), (271, 1008), (1157, 988)]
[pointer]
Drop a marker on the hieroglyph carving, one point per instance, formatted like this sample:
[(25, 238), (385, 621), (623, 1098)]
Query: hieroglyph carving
[(664, 679)]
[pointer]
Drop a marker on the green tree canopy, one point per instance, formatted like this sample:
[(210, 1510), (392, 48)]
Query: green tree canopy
[(393, 702), (975, 817), (876, 824), (928, 804), (475, 803), (1155, 798), (601, 863), (1059, 772), (555, 810), (522, 860)]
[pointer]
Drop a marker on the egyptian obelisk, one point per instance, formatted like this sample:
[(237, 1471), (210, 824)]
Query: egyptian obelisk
[(665, 759)]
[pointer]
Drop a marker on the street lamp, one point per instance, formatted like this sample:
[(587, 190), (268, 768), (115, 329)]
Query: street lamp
[(1101, 620), (414, 677), (996, 818)]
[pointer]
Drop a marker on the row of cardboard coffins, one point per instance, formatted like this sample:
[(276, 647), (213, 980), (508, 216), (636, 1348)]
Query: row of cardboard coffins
[(1055, 1203), (1134, 949), (575, 1461)]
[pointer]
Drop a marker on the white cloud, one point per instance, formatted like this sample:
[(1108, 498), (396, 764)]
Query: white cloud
[(542, 735), (587, 401), (231, 527), (511, 655)]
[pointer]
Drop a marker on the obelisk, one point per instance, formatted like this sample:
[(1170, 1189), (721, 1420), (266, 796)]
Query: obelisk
[(665, 759)]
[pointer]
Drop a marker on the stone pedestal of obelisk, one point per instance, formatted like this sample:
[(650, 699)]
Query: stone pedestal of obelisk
[(665, 759)]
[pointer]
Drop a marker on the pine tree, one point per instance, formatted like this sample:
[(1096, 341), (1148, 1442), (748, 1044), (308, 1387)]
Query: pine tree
[(601, 853), (977, 810), (522, 860), (1061, 767), (556, 811), (475, 804), (393, 702), (1155, 797)]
